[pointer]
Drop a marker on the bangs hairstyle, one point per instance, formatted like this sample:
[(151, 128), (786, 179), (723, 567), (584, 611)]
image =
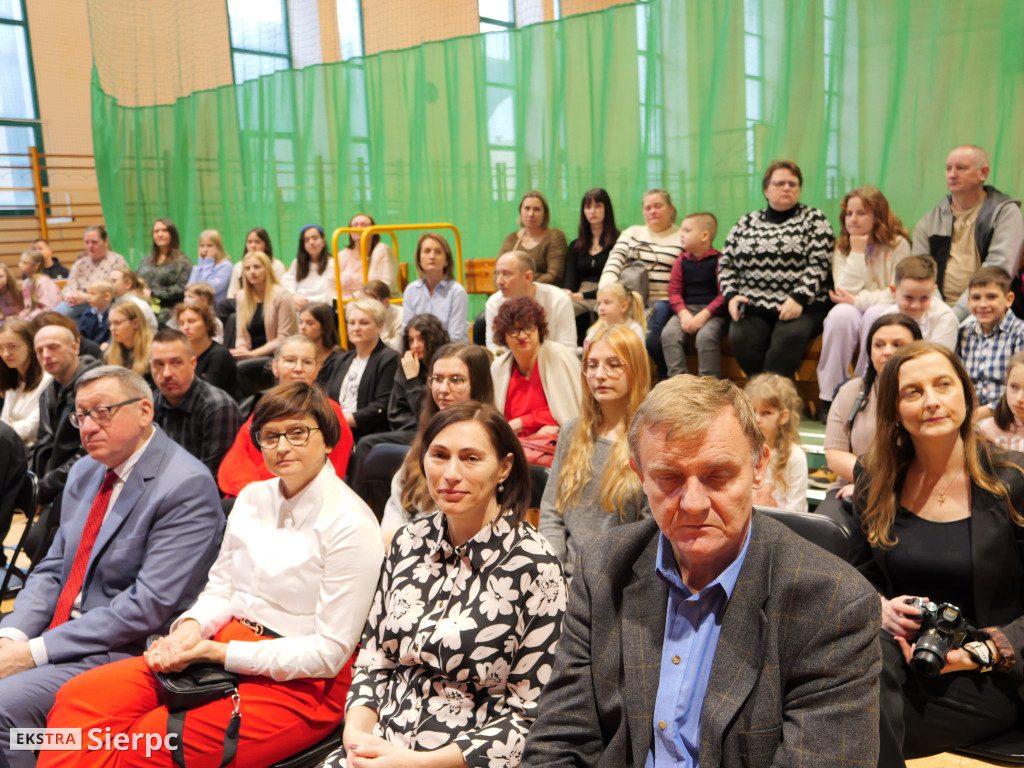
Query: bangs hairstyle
[(519, 312), (264, 237), (686, 406), (431, 331), (619, 483), (296, 400), (516, 496), (789, 165), (887, 229), (991, 276), (218, 243), (449, 261), (1002, 415), (206, 313), (324, 315), (779, 393), (609, 232), (415, 497), (543, 204), (892, 450), (9, 377)]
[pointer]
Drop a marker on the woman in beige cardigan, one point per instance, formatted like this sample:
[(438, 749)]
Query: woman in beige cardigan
[(547, 246), (537, 382), (266, 313)]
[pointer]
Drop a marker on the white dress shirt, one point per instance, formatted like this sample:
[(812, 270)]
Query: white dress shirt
[(21, 409), (305, 567), (316, 286)]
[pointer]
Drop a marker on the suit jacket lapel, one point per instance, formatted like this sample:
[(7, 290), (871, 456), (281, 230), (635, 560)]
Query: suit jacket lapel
[(645, 601), (737, 664)]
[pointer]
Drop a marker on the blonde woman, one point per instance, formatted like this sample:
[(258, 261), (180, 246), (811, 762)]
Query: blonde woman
[(214, 266), (266, 315), (591, 487), (130, 338)]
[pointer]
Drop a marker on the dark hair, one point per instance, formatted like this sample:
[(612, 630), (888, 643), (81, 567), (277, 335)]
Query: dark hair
[(543, 204), (449, 264), (515, 497), (609, 232), (776, 165), (378, 289), (97, 228), (9, 377), (896, 318), (302, 257), (173, 249), (56, 318), (40, 240), (296, 399), (324, 315), (170, 336), (991, 276), (263, 235), (434, 337), (204, 311), (373, 240), (521, 311), (1002, 414)]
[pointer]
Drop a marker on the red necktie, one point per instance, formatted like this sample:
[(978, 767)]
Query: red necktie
[(92, 528)]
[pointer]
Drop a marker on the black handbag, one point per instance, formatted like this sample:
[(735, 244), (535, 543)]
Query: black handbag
[(192, 687)]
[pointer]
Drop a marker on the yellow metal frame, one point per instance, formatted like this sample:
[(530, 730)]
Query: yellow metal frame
[(391, 229)]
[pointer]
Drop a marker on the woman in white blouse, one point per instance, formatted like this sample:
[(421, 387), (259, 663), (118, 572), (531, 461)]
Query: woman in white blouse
[(22, 379), (311, 276), (283, 608)]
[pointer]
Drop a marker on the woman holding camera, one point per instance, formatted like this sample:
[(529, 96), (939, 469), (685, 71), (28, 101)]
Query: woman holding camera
[(940, 516)]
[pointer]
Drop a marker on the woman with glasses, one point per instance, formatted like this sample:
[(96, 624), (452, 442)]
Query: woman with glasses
[(458, 373), (283, 609), (774, 273), (537, 382), (591, 487), (294, 360)]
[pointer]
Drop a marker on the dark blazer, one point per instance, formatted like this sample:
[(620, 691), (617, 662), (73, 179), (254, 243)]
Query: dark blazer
[(374, 388), (13, 475), (794, 677), (997, 554), (150, 560)]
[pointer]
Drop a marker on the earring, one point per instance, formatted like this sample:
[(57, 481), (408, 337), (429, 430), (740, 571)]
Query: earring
[(501, 486)]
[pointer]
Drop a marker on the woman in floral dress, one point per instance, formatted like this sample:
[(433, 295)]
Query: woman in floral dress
[(461, 635)]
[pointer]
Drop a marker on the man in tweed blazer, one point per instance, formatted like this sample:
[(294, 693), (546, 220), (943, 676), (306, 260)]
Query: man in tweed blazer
[(789, 675)]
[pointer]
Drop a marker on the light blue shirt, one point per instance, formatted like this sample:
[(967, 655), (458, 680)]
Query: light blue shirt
[(449, 304), (693, 623), (217, 275)]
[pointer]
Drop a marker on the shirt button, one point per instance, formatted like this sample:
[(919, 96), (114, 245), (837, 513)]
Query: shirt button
[(661, 724), (675, 659)]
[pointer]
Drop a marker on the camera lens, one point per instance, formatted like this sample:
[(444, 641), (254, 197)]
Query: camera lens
[(929, 656)]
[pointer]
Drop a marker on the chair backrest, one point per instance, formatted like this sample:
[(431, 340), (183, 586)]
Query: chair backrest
[(818, 529), (538, 480), (376, 472), (28, 495)]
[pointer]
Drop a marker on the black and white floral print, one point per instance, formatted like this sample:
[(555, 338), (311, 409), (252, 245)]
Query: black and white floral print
[(460, 641)]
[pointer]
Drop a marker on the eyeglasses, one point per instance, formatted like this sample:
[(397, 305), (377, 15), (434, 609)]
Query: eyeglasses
[(101, 414), (790, 184), (305, 362), (454, 382), (526, 330), (298, 436), (613, 367)]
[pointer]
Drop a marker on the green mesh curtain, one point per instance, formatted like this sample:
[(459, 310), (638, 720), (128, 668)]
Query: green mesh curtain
[(690, 95)]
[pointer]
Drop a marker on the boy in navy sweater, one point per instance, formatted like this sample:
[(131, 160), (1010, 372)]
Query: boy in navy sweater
[(95, 323), (696, 300)]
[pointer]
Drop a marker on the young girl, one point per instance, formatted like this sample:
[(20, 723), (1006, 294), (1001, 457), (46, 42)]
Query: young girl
[(214, 266), (616, 304), (11, 300), (777, 405), (1005, 427)]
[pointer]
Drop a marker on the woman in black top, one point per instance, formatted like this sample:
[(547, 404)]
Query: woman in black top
[(587, 255), (940, 518), (214, 364)]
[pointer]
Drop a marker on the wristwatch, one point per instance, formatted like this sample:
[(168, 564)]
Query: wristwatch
[(980, 654)]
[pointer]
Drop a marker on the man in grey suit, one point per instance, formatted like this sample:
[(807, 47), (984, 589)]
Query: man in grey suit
[(711, 634), (141, 525)]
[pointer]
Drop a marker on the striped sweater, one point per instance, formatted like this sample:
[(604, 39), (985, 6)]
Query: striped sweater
[(658, 252), (771, 255)]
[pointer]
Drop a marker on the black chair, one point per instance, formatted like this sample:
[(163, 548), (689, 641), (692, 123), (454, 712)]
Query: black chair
[(538, 480), (1007, 749), (379, 467), (818, 529), (26, 504), (313, 756)]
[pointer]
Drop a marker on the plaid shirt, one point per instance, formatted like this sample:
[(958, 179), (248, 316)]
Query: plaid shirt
[(987, 355), (204, 423)]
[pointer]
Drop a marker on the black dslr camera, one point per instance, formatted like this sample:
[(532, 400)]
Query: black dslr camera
[(943, 628)]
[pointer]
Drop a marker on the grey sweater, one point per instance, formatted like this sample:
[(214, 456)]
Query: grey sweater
[(571, 533)]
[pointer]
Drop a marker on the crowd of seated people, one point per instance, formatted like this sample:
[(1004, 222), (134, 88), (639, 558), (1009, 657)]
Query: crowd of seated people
[(568, 345)]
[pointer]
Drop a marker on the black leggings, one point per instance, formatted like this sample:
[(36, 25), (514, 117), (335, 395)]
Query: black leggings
[(764, 344)]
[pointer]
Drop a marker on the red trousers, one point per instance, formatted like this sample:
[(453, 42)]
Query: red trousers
[(279, 719)]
